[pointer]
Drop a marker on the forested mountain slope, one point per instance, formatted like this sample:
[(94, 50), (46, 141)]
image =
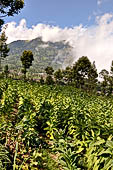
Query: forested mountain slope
[(55, 54)]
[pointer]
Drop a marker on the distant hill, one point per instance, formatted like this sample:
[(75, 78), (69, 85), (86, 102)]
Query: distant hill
[(57, 54)]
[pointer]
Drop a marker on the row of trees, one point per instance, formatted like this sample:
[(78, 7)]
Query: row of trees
[(107, 81), (83, 74)]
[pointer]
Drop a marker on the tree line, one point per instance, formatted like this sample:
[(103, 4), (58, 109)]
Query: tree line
[(83, 74)]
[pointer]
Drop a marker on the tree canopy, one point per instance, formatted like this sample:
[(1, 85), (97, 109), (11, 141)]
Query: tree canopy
[(26, 59), (84, 72), (9, 8), (3, 47), (49, 70)]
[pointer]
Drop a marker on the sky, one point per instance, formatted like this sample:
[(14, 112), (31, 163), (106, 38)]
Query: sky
[(63, 13), (86, 24)]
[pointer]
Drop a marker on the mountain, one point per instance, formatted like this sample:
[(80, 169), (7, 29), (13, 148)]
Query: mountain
[(55, 54)]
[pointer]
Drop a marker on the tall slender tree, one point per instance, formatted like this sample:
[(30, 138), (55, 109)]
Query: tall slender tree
[(3, 47), (26, 59), (81, 71), (84, 74), (49, 71), (104, 74), (6, 71), (58, 75), (68, 75), (92, 78), (111, 79)]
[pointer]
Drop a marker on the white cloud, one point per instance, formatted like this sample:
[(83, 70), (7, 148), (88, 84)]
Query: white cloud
[(96, 42), (99, 2)]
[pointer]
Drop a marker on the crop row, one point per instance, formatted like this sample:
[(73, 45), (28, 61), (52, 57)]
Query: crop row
[(43, 125)]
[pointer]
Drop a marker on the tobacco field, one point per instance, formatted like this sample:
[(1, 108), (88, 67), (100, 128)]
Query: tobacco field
[(54, 128)]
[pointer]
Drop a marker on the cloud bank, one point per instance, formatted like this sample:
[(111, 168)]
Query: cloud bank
[(95, 41)]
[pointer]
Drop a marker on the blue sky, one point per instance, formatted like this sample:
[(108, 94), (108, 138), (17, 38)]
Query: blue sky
[(64, 13)]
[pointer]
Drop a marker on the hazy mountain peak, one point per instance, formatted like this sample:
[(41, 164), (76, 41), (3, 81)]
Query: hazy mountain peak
[(56, 54)]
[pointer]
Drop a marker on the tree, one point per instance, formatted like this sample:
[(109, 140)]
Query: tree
[(49, 80), (111, 80), (9, 8), (81, 71), (41, 80), (92, 78), (84, 74), (3, 47), (111, 68), (58, 75), (104, 74), (107, 83), (68, 75), (49, 71), (26, 59), (6, 70)]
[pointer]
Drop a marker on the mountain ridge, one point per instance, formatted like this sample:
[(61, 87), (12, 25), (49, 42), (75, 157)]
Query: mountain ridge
[(56, 54)]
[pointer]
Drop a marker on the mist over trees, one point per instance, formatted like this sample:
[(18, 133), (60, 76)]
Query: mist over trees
[(82, 74)]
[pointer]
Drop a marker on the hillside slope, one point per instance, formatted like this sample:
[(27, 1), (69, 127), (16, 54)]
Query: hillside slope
[(57, 54)]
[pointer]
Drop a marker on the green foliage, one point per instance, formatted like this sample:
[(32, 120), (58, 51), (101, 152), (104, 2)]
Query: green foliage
[(41, 80), (68, 75), (49, 80), (112, 68), (6, 70), (49, 70), (58, 75), (67, 157), (54, 127), (107, 82), (85, 73), (45, 54), (9, 8), (26, 59), (1, 23), (4, 157), (3, 47), (91, 83)]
